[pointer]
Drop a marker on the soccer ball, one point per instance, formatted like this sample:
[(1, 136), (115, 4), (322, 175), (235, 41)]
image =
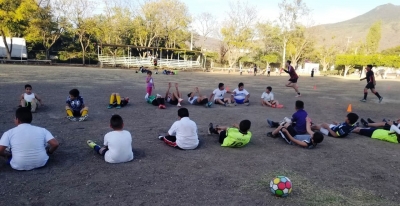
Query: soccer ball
[(281, 186)]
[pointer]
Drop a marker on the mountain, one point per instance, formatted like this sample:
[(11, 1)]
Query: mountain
[(356, 29)]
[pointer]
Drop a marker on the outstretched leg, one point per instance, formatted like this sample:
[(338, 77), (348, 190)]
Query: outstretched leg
[(100, 150)]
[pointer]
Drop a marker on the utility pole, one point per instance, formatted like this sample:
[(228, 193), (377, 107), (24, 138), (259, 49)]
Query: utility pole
[(191, 41), (348, 42)]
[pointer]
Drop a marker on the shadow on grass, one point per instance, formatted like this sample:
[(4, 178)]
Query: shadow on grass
[(307, 192)]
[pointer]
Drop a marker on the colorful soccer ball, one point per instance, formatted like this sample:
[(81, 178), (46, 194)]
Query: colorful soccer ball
[(281, 186)]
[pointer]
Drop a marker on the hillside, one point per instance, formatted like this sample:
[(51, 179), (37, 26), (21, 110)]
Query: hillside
[(357, 28)]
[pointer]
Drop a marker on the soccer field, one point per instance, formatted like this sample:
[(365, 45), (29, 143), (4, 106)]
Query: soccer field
[(355, 170)]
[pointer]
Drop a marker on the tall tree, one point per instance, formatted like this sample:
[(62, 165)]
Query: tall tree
[(238, 31), (300, 42), (373, 38), (14, 19), (291, 12)]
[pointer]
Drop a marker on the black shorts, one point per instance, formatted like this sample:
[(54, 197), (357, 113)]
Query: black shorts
[(123, 103), (215, 101), (222, 136), (269, 72), (370, 86), (293, 80), (173, 102), (367, 131), (291, 131), (76, 113)]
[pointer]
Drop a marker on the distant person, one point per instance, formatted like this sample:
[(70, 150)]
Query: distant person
[(25, 146), (255, 69), (268, 71), (196, 98), (183, 133), (117, 144), (240, 95), (268, 99), (30, 99), (150, 84), (236, 136), (336, 129), (309, 140), (370, 77), (312, 73), (117, 101), (76, 108), (219, 96), (293, 78)]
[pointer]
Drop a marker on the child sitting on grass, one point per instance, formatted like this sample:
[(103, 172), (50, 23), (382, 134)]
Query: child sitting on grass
[(76, 108), (308, 141), (117, 144), (267, 98), (236, 136), (117, 102), (30, 99)]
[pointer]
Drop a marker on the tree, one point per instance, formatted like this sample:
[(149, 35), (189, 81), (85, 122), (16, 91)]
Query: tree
[(349, 61), (326, 55), (270, 36), (299, 43), (270, 58), (289, 16), (373, 38), (206, 25), (14, 19), (238, 31)]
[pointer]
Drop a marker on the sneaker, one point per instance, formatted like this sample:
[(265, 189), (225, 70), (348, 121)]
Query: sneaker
[(385, 120), (363, 100), (118, 106), (284, 137), (83, 118), (71, 118), (299, 95), (270, 122), (269, 134), (179, 104), (225, 104), (370, 120), (161, 106), (211, 129), (363, 122), (209, 104), (146, 96), (160, 137), (91, 144), (380, 99), (110, 106), (247, 103)]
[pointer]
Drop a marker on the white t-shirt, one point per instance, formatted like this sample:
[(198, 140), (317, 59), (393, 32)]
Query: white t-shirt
[(194, 100), (240, 95), (267, 97), (119, 146), (219, 94), (28, 146), (29, 97), (185, 131)]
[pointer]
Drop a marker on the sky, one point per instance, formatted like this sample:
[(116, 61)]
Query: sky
[(322, 11)]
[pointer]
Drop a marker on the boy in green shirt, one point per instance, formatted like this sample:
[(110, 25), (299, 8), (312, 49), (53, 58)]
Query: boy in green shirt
[(393, 135), (236, 136)]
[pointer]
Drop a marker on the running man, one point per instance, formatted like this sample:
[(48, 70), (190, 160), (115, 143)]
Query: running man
[(370, 77), (293, 78)]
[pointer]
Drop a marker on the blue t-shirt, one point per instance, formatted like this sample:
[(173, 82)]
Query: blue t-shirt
[(76, 104), (300, 118), (343, 129), (307, 139)]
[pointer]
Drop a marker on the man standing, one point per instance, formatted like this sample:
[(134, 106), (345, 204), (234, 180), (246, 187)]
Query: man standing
[(293, 78), (370, 77), (27, 143), (255, 69), (269, 71)]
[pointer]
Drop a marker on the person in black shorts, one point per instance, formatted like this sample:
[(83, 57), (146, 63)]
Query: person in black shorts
[(174, 98), (293, 78), (370, 77)]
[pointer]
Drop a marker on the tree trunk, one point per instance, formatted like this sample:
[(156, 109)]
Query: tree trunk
[(346, 69), (47, 53), (6, 45)]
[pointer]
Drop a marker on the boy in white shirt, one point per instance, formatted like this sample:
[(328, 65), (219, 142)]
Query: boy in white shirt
[(195, 98), (267, 98), (240, 95), (219, 96), (30, 99), (183, 133), (117, 144), (27, 144)]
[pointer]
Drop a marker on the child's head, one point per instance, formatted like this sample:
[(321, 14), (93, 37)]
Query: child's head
[(241, 86), (369, 67), (299, 104), (269, 89), (23, 115), (28, 88), (244, 126), (74, 93), (149, 73), (183, 112), (221, 86), (116, 122), (288, 62), (317, 137), (190, 94), (351, 118)]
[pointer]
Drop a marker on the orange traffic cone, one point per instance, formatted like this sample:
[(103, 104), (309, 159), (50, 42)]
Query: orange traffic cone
[(315, 87), (349, 108)]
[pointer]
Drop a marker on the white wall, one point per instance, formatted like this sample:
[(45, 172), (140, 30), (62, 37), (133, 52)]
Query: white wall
[(18, 49)]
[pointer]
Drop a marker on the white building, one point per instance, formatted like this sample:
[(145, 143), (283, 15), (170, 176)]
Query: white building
[(18, 48)]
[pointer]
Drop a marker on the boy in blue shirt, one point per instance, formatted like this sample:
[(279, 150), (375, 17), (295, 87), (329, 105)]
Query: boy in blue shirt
[(76, 108), (297, 122), (336, 129)]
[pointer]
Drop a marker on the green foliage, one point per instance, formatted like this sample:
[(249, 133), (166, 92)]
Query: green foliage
[(392, 51), (362, 60), (373, 38)]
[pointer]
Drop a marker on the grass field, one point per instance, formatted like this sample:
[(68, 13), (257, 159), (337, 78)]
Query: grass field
[(352, 171)]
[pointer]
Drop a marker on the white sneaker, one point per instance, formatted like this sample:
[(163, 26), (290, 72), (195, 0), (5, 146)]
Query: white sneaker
[(179, 104), (146, 96), (160, 137), (299, 95)]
